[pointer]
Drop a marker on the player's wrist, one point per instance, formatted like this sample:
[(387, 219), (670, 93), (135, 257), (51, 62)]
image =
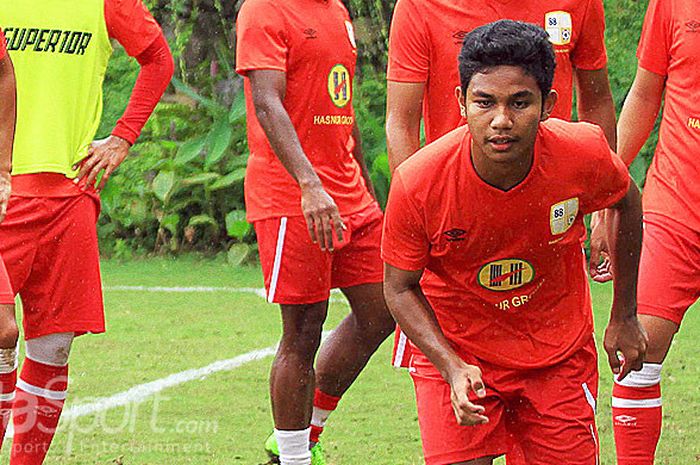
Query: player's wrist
[(310, 184)]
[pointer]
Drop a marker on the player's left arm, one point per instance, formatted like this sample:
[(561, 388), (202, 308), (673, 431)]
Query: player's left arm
[(625, 340), (359, 155), (8, 112), (130, 23), (594, 101)]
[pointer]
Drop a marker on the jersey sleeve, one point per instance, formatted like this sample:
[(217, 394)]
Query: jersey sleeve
[(3, 49), (409, 49), (261, 39), (131, 24), (590, 52), (654, 44), (611, 178), (405, 243)]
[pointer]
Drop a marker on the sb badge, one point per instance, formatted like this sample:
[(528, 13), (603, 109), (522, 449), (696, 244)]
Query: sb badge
[(562, 215), (559, 27)]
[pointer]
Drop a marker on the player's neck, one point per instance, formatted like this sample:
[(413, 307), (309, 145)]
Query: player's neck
[(501, 174)]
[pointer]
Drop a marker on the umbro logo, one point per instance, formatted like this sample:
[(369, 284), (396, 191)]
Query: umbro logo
[(693, 26), (459, 36), (310, 33), (456, 234), (625, 420)]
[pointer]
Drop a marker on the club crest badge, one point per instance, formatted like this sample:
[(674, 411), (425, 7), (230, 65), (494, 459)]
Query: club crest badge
[(559, 27), (562, 216)]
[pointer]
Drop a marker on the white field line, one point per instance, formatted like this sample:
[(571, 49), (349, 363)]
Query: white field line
[(141, 392), (259, 291)]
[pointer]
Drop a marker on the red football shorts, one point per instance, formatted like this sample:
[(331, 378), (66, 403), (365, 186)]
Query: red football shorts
[(49, 245), (549, 412), (669, 269), (7, 297), (298, 272)]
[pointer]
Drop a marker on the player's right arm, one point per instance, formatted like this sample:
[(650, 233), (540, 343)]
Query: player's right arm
[(639, 113), (407, 76), (405, 250), (320, 211), (404, 106), (8, 111), (416, 318)]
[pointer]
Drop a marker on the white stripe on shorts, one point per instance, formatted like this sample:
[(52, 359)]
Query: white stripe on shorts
[(400, 349), (278, 260), (618, 402), (41, 392)]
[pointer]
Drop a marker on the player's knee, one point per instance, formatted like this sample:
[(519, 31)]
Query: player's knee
[(9, 333), (52, 349)]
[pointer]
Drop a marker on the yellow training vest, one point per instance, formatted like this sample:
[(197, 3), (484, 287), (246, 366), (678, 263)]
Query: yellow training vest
[(59, 49)]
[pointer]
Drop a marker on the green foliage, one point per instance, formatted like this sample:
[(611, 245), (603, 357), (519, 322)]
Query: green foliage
[(182, 187)]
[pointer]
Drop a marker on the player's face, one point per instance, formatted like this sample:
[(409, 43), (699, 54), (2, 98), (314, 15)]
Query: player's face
[(503, 108)]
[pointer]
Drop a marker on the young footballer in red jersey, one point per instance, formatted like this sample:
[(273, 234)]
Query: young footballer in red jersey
[(48, 240), (8, 325), (669, 279), (491, 217), (309, 196)]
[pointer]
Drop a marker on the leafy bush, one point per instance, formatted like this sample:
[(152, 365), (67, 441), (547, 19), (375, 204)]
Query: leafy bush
[(181, 189)]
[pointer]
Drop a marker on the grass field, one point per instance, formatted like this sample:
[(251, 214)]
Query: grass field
[(222, 417)]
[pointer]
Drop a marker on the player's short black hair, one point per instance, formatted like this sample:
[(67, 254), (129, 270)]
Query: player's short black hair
[(508, 43)]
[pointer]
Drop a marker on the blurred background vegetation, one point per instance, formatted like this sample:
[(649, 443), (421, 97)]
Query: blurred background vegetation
[(181, 189)]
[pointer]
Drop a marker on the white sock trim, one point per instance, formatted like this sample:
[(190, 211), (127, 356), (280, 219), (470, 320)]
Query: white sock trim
[(7, 397), (41, 392), (294, 446), (8, 360), (618, 402), (319, 417), (649, 375)]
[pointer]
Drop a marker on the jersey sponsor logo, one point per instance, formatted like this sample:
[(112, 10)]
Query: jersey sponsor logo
[(694, 123), (459, 36), (310, 33), (454, 235), (351, 33), (47, 40), (333, 120), (339, 85), (558, 25), (562, 216), (693, 26), (506, 274)]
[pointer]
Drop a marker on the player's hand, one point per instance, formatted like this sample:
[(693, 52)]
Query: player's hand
[(462, 380), (626, 345), (322, 217), (599, 266), (5, 191), (103, 155)]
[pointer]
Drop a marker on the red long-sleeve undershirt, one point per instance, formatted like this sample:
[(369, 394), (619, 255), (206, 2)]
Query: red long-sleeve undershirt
[(157, 69)]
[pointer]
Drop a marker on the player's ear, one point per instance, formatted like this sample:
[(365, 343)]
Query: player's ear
[(548, 104), (460, 101)]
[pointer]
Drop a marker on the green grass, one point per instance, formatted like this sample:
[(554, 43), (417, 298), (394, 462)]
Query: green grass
[(225, 418)]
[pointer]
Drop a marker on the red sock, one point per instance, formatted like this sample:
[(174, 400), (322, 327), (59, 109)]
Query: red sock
[(7, 397), (41, 392), (636, 420), (324, 404)]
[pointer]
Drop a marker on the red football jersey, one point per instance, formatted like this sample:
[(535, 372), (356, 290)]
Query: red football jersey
[(3, 46), (505, 271), (313, 42), (670, 46), (426, 37)]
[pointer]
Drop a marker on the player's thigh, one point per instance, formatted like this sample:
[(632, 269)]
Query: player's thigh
[(555, 422), (66, 262), (669, 273), (359, 260), (445, 442), (296, 271)]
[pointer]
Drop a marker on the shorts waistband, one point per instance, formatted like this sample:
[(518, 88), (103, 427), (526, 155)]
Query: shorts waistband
[(45, 185)]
